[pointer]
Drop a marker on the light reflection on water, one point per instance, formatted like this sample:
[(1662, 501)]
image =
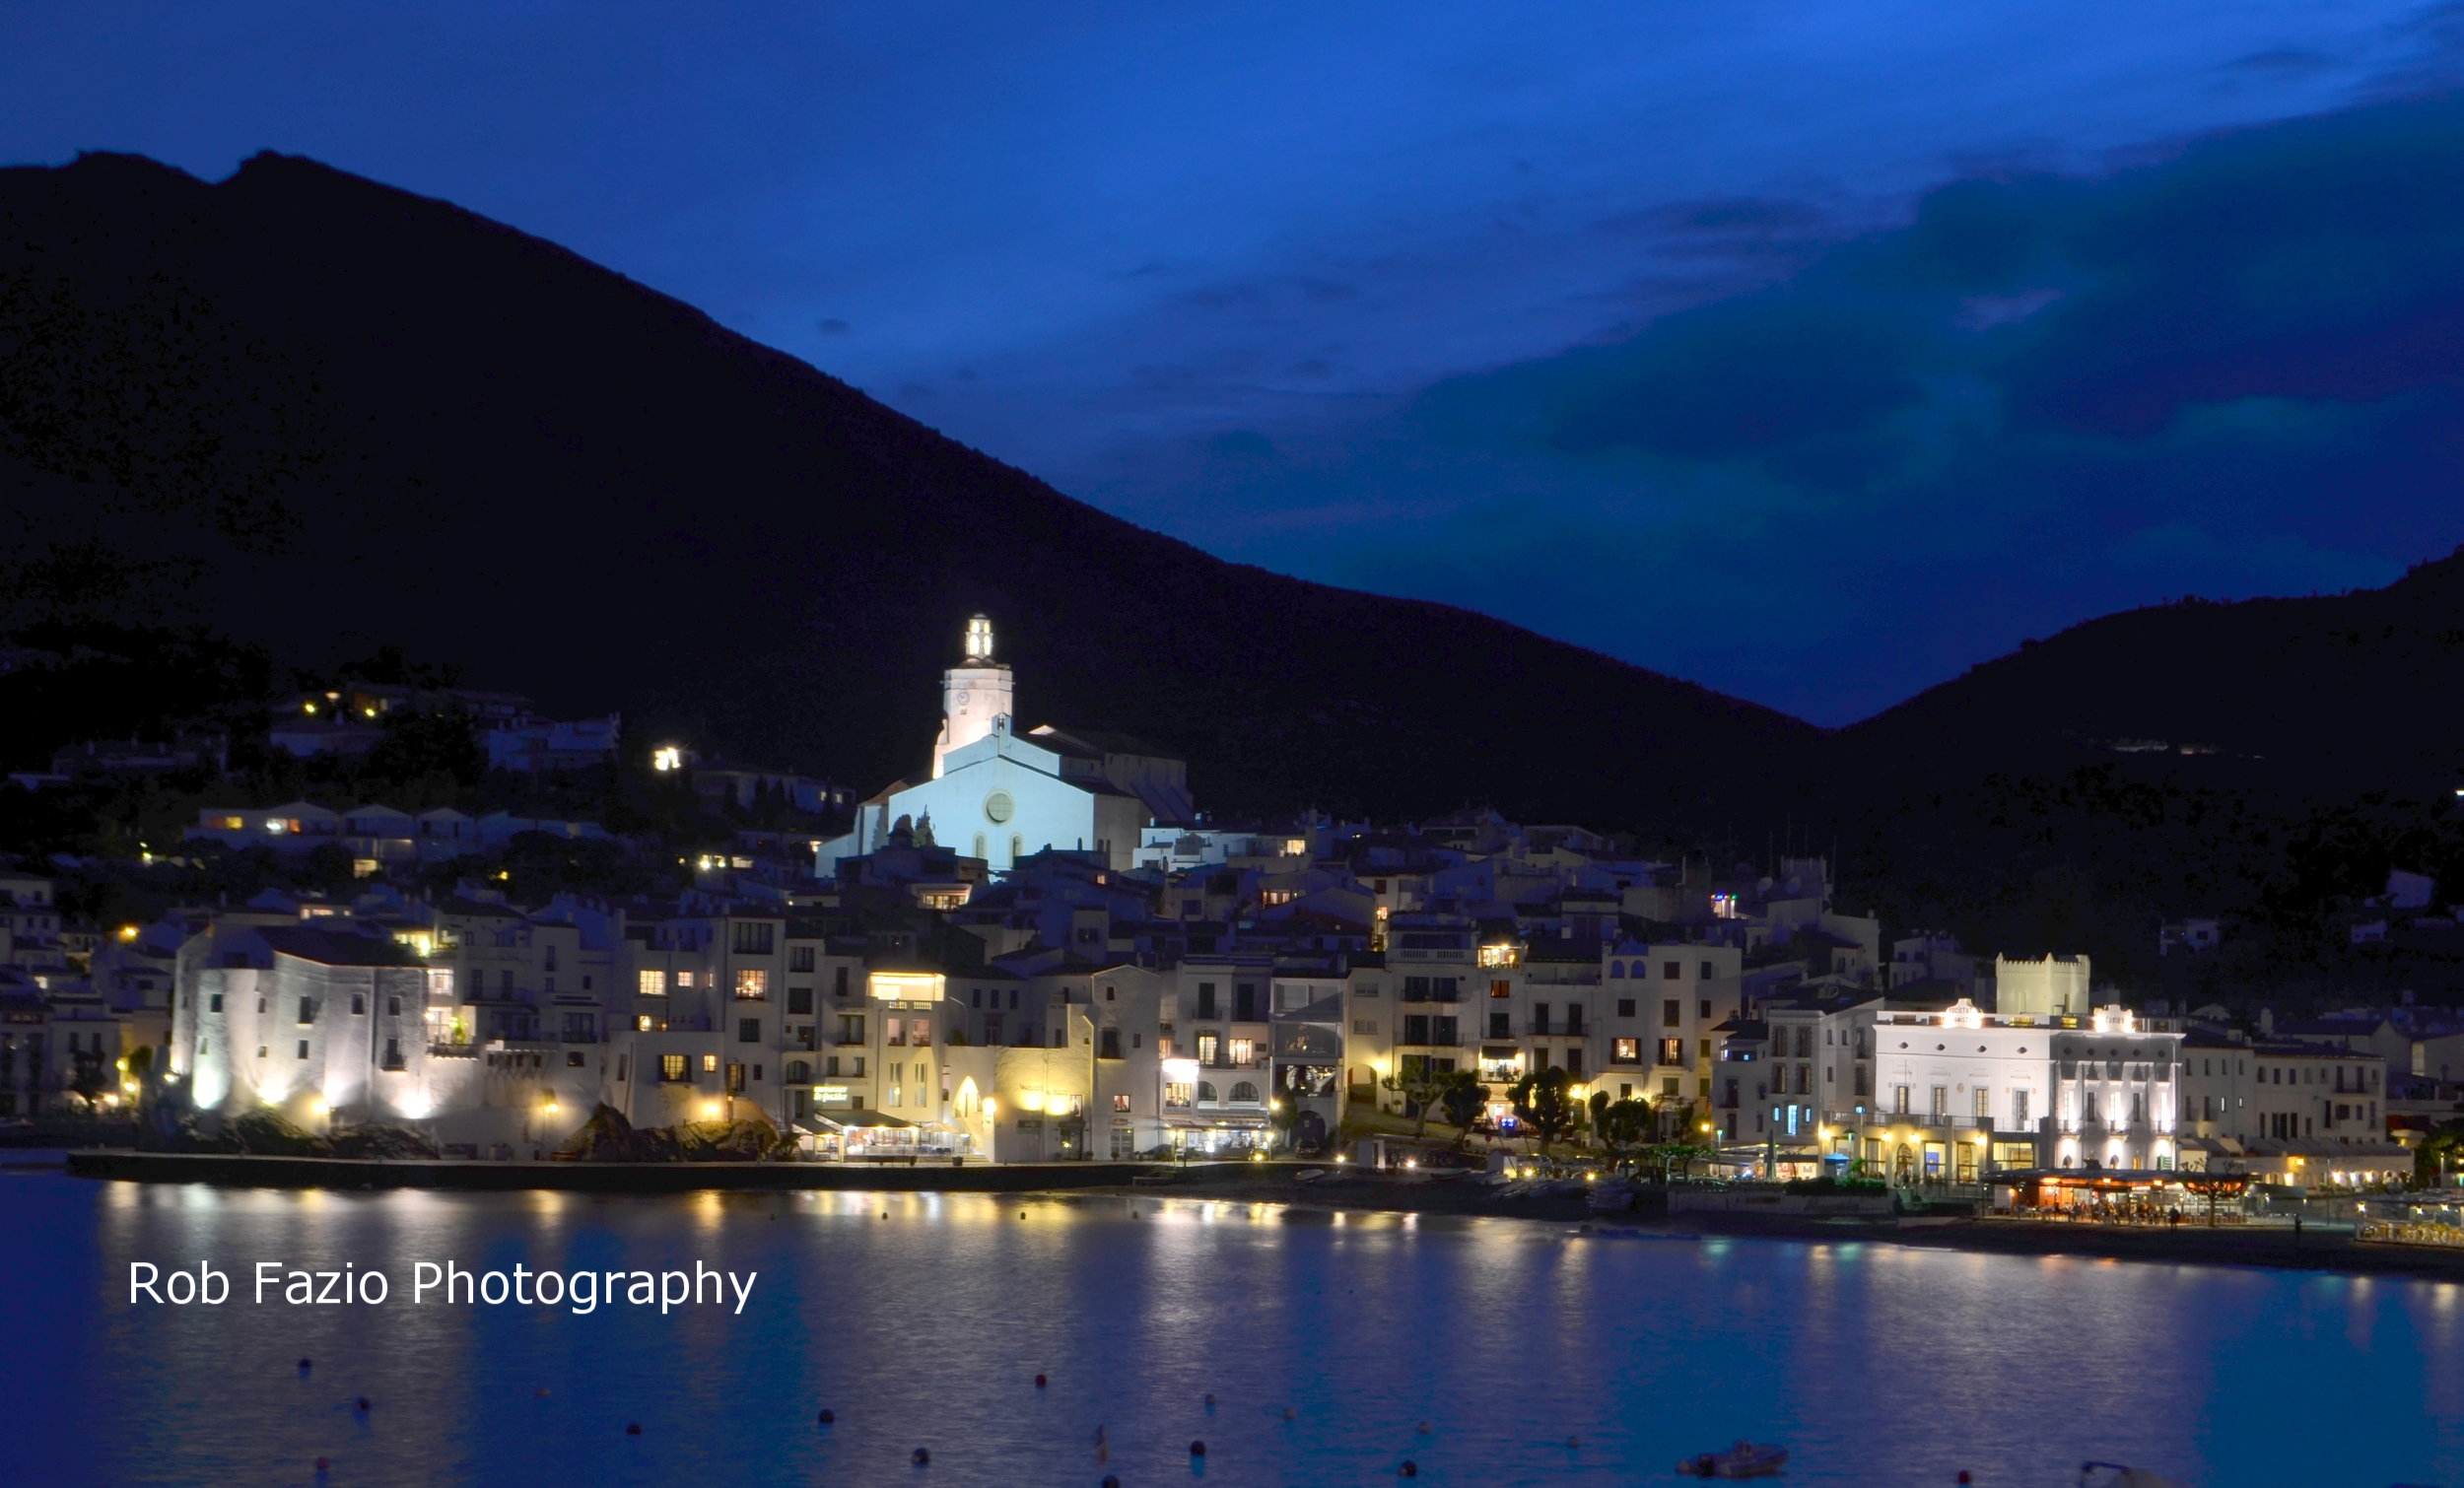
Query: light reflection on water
[(1875, 1364)]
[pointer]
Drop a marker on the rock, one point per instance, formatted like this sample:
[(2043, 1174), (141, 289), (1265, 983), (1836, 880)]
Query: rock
[(266, 1134), (380, 1140)]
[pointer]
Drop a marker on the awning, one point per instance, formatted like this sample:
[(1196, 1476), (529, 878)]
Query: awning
[(850, 1120)]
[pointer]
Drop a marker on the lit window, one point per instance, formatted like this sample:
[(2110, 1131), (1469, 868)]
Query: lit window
[(652, 983), (710, 1064), (752, 982)]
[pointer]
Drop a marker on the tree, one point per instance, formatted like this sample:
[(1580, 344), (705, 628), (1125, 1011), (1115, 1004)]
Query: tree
[(1620, 1125), (1543, 1103), (1422, 1085), (1284, 1113), (1462, 1098), (2437, 1152)]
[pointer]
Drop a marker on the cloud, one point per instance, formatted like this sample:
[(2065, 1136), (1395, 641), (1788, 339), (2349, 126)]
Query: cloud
[(2237, 370)]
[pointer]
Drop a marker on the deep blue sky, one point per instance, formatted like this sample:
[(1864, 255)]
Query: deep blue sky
[(1814, 350)]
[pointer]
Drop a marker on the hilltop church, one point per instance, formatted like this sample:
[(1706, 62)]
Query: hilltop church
[(1000, 795)]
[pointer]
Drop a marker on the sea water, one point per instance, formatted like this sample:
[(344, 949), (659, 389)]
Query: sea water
[(1531, 1353)]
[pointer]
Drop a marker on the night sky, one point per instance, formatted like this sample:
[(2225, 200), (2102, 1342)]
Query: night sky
[(1813, 350)]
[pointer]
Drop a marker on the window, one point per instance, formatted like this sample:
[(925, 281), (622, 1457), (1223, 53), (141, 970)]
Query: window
[(851, 1027), (1365, 1026), (393, 1007), (1540, 1017), (1899, 1098), (838, 983), (799, 958), (1120, 1103), (1244, 1050), (1501, 1025), (1207, 1094), (1625, 1051), (1244, 1093), (748, 1030), (1416, 1028), (1245, 1002), (1672, 971), (893, 1032), (1501, 988), (920, 1032), (303, 1049), (214, 1003), (1574, 1020), (710, 1064), (1442, 1031), (754, 937), (1108, 1047), (1206, 1000), (800, 1002), (1626, 1008), (736, 1079), (1984, 1103), (1671, 1014), (359, 1005), (1671, 1052), (1704, 971), (752, 983), (1941, 1103), (1574, 1060), (1176, 1097), (671, 1068), (394, 1054), (1208, 1047), (573, 1058), (307, 1012)]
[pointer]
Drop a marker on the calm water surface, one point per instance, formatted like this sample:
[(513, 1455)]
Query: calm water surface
[(1875, 1365)]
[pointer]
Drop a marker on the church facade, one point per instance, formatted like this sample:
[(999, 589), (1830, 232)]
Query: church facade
[(1000, 795)]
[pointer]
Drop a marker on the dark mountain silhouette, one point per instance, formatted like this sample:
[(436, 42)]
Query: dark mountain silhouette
[(322, 415), (2326, 696)]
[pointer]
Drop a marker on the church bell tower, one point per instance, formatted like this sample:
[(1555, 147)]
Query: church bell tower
[(974, 694)]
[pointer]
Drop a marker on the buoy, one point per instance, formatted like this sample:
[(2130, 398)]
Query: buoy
[(828, 1417), (1410, 1469), (323, 1466), (303, 1366), (1964, 1476), (1574, 1444), (1198, 1449), (1111, 1482), (1424, 1428), (924, 1458), (541, 1391), (1038, 1382), (362, 1402), (633, 1428), (1210, 1402), (1289, 1412)]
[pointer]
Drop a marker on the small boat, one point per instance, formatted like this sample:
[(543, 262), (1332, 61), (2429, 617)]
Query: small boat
[(1745, 1460)]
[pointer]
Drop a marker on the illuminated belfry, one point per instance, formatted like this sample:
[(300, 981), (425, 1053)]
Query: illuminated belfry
[(976, 695)]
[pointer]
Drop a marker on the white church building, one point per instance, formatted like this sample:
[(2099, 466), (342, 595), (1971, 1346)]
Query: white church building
[(1001, 796)]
